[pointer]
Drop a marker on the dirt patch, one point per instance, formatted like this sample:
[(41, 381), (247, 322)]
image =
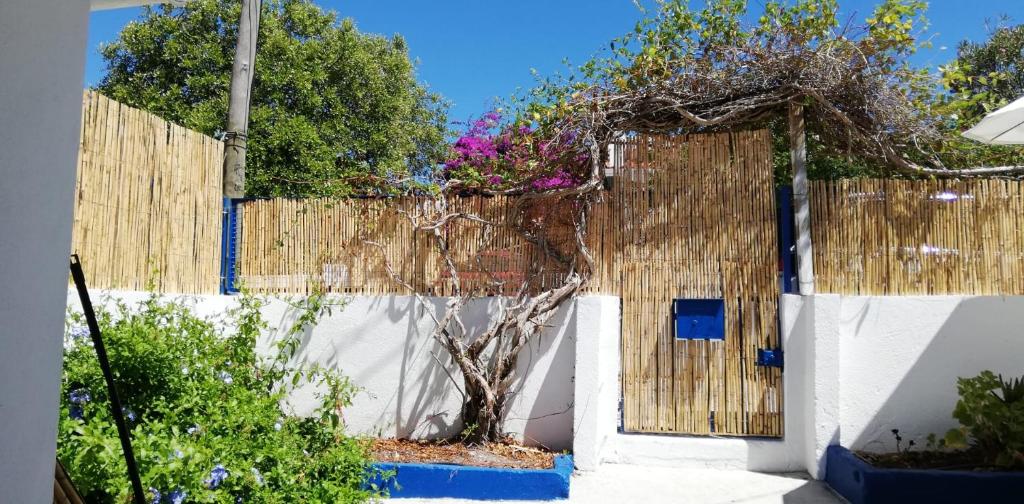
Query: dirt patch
[(965, 460), (508, 455)]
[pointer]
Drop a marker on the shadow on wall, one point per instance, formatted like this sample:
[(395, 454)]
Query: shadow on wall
[(410, 386), (901, 357)]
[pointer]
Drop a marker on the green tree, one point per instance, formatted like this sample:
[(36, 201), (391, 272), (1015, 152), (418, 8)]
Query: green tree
[(984, 77), (334, 111)]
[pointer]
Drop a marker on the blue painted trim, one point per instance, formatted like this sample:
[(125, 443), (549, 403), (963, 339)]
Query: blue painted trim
[(787, 239), (229, 246), (480, 483), (861, 483)]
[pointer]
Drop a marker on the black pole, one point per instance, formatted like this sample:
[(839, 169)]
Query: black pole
[(115, 402)]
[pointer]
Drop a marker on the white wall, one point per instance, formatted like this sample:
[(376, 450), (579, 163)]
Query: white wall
[(901, 357), (42, 57), (383, 345), (879, 363)]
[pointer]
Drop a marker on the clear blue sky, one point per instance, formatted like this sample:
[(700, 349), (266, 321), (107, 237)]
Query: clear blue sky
[(474, 50)]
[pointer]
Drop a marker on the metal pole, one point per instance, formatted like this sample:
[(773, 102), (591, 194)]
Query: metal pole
[(115, 402)]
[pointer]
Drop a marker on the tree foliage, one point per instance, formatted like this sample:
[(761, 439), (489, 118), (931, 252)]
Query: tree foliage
[(984, 77), (333, 110)]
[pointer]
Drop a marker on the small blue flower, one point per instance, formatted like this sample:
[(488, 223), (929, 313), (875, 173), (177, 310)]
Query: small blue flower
[(226, 377), (177, 454), (79, 332), (256, 474), (79, 396), (192, 430), (156, 496), (217, 476), (128, 413), (238, 500), (176, 497), (76, 412)]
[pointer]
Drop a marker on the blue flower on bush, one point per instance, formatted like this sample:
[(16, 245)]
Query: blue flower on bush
[(256, 474), (217, 476), (192, 430), (128, 413), (79, 332), (226, 377), (78, 398), (176, 497)]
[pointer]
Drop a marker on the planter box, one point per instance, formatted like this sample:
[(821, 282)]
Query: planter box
[(481, 483), (861, 483)]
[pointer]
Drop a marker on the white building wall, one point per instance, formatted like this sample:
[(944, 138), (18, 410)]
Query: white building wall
[(42, 59)]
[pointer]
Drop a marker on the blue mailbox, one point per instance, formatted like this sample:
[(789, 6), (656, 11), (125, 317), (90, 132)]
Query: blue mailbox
[(699, 319)]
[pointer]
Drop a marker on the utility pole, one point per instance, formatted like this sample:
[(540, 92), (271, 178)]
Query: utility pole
[(235, 139)]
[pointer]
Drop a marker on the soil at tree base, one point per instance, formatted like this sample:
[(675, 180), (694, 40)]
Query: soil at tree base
[(505, 454)]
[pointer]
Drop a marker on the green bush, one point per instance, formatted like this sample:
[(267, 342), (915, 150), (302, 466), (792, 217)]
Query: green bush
[(991, 415), (204, 412)]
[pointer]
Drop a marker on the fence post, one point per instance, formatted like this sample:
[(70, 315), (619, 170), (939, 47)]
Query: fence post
[(798, 156), (229, 246), (784, 197)]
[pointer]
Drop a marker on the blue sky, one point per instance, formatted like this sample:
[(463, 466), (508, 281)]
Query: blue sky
[(471, 51)]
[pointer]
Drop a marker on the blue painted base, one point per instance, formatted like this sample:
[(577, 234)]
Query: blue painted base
[(481, 483), (861, 483)]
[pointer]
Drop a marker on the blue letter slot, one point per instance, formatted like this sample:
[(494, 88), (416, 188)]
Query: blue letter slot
[(702, 319)]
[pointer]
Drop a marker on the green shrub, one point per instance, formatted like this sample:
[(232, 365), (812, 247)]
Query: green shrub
[(991, 415), (204, 412)]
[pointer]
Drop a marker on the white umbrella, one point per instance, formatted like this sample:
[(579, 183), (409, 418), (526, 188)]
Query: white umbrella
[(1002, 127)]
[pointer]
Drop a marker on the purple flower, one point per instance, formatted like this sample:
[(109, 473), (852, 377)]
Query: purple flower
[(495, 180), (156, 496), (217, 476)]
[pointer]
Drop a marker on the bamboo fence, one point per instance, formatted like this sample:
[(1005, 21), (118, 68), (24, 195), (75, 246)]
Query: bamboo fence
[(900, 237), (147, 201), (346, 246)]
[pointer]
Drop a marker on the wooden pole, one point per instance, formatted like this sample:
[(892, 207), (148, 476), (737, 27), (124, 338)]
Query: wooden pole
[(802, 209), (242, 70)]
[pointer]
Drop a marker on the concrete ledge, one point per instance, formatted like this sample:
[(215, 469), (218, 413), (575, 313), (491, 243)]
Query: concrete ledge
[(861, 483), (691, 452), (480, 483)]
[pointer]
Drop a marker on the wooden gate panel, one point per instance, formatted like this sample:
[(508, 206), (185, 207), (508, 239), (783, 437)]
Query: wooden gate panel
[(694, 217)]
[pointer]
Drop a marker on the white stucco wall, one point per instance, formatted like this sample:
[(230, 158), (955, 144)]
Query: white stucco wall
[(901, 357), (42, 59), (383, 345), (878, 363)]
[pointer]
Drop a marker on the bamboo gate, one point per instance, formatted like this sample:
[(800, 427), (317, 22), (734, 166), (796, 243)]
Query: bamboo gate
[(686, 217)]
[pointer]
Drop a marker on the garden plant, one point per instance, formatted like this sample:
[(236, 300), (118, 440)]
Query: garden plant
[(204, 411)]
